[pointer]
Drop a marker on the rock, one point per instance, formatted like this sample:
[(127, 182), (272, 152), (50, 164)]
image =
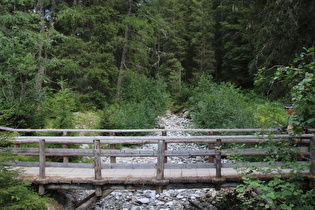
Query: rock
[(143, 200), (148, 199)]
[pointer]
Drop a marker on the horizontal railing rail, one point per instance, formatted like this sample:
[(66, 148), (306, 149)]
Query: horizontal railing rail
[(213, 151)]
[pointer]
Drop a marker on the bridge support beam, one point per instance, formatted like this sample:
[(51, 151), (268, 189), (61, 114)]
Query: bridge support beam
[(91, 199)]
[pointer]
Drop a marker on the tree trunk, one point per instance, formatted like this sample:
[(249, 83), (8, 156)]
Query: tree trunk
[(122, 67), (41, 69)]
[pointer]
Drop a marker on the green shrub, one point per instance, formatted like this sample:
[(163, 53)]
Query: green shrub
[(219, 106), (58, 108), (298, 80), (142, 100)]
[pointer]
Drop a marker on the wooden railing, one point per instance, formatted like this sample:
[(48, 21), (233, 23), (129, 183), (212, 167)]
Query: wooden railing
[(213, 138)]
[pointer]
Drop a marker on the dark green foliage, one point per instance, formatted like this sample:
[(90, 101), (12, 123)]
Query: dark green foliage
[(15, 193), (58, 108), (233, 44), (280, 192), (18, 65), (298, 78), (219, 106), (143, 99)]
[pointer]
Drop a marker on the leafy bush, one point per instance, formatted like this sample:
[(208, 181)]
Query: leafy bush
[(298, 78), (142, 100), (268, 114), (281, 191), (58, 108), (219, 106)]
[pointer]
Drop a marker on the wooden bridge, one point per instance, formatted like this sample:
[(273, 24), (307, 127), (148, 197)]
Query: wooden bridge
[(92, 172)]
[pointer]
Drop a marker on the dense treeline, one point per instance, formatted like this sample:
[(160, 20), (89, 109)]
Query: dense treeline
[(87, 54)]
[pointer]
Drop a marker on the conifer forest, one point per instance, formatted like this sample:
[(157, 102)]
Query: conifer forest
[(119, 64), (133, 59)]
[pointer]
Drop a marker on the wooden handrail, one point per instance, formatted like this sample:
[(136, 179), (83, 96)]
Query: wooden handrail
[(213, 152), (140, 130)]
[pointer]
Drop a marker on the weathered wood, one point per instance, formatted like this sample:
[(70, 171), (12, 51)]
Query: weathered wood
[(83, 201), (42, 159), (149, 165), (218, 158), (153, 139), (211, 147), (312, 157), (98, 191), (112, 146), (150, 153), (151, 175), (160, 160), (139, 130), (97, 160), (164, 133), (42, 166), (66, 146), (91, 199)]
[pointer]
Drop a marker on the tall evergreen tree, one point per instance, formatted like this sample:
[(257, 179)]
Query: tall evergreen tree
[(83, 50), (282, 29), (23, 42), (200, 23), (234, 48)]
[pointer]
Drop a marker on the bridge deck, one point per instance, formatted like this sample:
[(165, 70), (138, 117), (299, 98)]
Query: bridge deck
[(132, 176)]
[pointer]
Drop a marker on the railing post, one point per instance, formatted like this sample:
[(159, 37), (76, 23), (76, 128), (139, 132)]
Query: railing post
[(164, 133), (160, 164), (65, 146), (312, 156), (97, 165), (210, 146), (218, 164), (42, 165), (112, 146)]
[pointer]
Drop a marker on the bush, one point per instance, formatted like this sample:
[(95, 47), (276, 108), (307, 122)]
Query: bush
[(268, 114), (219, 106), (298, 79), (58, 108), (142, 100), (281, 191)]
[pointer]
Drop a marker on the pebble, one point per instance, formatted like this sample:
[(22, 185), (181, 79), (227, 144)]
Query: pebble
[(148, 199)]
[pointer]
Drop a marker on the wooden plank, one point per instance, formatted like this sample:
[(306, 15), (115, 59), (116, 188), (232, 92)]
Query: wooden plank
[(112, 146), (42, 159), (160, 160), (153, 139), (138, 130), (218, 159), (148, 166), (97, 162), (150, 153), (312, 157), (65, 158)]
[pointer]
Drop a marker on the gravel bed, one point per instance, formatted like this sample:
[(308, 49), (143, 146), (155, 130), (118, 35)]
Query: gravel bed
[(149, 199)]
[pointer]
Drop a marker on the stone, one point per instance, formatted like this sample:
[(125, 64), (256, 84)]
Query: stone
[(143, 200)]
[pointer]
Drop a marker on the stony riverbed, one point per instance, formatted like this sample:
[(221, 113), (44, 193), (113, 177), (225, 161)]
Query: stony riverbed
[(170, 199)]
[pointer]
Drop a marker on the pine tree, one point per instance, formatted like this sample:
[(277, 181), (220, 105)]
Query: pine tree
[(21, 63), (234, 48)]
